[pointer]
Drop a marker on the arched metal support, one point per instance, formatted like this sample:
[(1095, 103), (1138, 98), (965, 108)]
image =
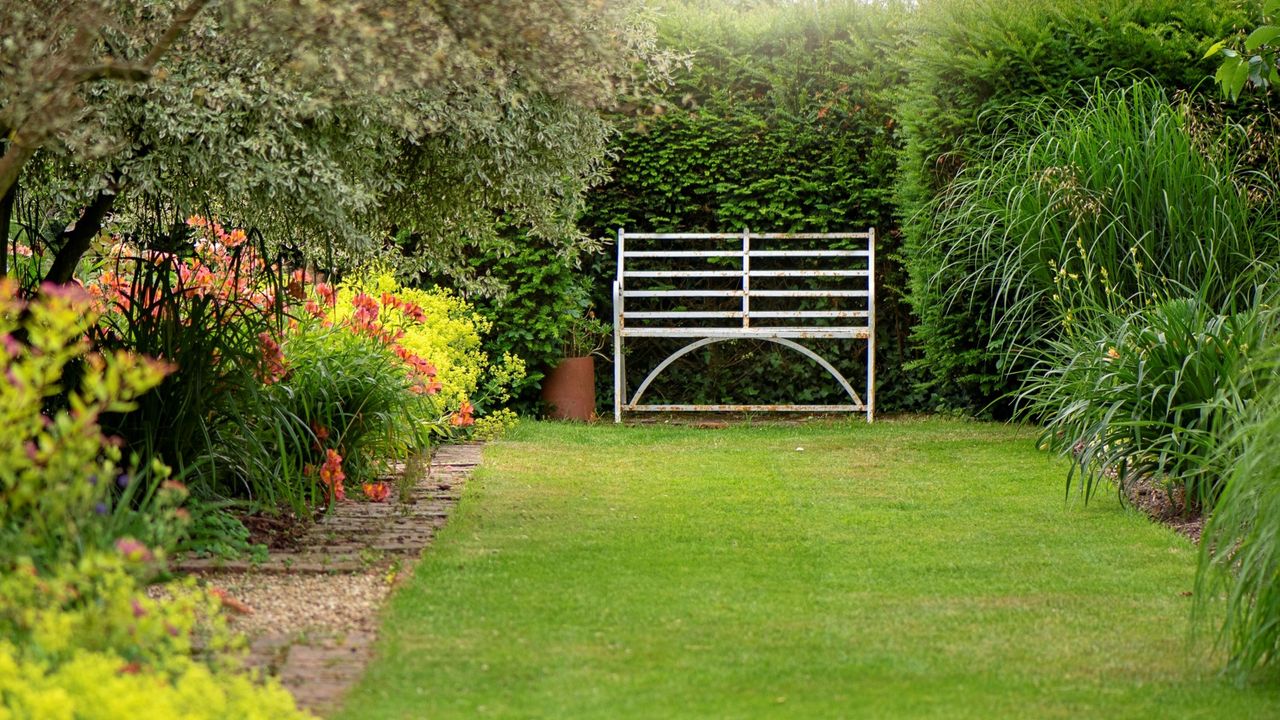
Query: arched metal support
[(635, 399)]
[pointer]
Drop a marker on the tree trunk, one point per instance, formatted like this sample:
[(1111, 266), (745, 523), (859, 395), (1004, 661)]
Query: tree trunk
[(76, 241), (6, 216), (15, 156)]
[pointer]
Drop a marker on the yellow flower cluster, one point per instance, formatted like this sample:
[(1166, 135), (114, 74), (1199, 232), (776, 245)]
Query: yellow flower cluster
[(448, 336), (86, 641)]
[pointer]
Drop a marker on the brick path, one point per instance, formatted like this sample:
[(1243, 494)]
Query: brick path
[(318, 667)]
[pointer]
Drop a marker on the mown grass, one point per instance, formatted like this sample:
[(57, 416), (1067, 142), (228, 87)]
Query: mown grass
[(905, 569)]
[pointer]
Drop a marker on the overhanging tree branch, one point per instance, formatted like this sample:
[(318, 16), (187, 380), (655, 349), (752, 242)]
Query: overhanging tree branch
[(25, 140)]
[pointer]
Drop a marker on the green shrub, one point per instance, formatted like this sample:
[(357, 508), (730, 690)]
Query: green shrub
[(445, 331), (973, 60), (1148, 394), (79, 635), (86, 641), (64, 488), (537, 290)]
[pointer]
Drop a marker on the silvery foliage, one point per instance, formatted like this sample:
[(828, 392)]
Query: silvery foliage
[(328, 125)]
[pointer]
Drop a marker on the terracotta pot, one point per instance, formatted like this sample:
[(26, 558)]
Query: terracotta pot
[(570, 389)]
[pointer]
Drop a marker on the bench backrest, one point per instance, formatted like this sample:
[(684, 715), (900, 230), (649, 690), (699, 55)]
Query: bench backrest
[(788, 285)]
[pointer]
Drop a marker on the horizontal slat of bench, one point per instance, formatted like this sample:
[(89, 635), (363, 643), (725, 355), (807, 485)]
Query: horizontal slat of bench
[(808, 253), (675, 254), (683, 236), (740, 293), (683, 314), (745, 408), (805, 273), (680, 273), (810, 293), (685, 293), (747, 333), (681, 253), (811, 236), (802, 314), (753, 236)]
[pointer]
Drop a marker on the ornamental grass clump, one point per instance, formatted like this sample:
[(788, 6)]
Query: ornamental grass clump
[(1146, 395), (1239, 573), (1118, 197), (1123, 265)]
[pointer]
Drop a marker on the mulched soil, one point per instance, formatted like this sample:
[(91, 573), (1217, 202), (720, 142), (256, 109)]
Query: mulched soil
[(281, 531), (1165, 507), (310, 610)]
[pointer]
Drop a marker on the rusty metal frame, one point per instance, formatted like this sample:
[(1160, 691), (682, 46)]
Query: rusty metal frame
[(784, 336)]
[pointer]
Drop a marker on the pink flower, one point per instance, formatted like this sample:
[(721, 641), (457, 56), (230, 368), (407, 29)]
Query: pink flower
[(134, 550), (273, 368)]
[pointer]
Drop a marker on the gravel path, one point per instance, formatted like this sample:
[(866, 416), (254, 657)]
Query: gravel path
[(311, 616)]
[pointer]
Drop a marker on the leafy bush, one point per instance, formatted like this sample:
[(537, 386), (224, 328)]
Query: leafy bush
[(65, 488), (972, 61), (86, 641), (531, 293), (341, 392), (79, 635)]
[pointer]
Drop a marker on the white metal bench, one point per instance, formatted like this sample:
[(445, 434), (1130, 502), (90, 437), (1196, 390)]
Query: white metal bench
[(782, 314)]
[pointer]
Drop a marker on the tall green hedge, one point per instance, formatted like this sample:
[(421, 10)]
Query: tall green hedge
[(973, 60), (784, 123)]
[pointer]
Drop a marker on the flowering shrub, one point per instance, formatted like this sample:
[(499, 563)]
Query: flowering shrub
[(494, 425), (86, 641), (214, 312), (441, 329), (59, 475), (80, 636)]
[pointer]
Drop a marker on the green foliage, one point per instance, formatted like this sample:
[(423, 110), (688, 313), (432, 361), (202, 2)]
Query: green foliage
[(205, 307), (1258, 65), (530, 292), (973, 61), (1240, 548), (344, 392), (87, 641), (447, 335), (495, 425), (64, 488), (79, 635), (1051, 223), (1150, 394), (329, 127), (785, 122)]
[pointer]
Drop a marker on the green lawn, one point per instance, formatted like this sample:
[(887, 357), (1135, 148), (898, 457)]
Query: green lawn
[(905, 569)]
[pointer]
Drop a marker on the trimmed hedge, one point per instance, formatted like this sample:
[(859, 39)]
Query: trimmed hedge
[(784, 123)]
